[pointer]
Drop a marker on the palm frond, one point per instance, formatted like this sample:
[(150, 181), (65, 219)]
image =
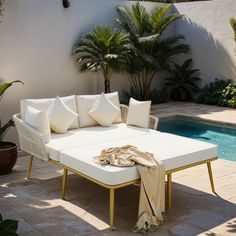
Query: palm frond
[(5, 86), (126, 20), (104, 49), (160, 20), (183, 84)]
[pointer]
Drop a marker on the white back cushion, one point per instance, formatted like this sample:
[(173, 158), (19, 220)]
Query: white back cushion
[(60, 116), (85, 103), (138, 113), (104, 111), (44, 104), (39, 121)]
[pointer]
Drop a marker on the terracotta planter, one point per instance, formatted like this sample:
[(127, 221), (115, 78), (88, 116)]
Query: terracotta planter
[(8, 156)]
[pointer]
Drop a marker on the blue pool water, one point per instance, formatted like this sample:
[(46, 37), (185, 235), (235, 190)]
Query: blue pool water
[(224, 137)]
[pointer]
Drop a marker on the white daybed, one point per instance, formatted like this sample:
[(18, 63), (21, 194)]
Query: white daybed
[(75, 150)]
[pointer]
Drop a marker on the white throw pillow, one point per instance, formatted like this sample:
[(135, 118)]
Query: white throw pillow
[(138, 113), (39, 121), (103, 111), (60, 116), (45, 103), (85, 103)]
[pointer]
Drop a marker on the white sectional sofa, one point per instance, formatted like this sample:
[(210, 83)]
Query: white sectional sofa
[(75, 150)]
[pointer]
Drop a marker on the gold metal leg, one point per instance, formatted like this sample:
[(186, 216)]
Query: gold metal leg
[(64, 181), (169, 190), (112, 208), (30, 166), (211, 176)]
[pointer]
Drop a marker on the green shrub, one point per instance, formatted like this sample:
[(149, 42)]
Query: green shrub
[(229, 95), (212, 93), (156, 96), (8, 227), (183, 81)]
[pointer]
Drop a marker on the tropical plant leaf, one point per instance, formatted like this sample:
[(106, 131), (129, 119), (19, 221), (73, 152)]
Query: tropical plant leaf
[(150, 53), (136, 21), (8, 227), (104, 49), (183, 84), (10, 224), (5, 86), (4, 129), (160, 20)]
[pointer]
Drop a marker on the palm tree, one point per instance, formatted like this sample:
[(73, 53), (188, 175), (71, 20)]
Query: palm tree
[(104, 49), (150, 52)]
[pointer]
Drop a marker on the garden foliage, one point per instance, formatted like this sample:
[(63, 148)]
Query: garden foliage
[(212, 93), (8, 227), (183, 82), (151, 52)]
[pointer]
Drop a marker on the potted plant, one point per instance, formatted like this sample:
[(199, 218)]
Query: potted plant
[(8, 150)]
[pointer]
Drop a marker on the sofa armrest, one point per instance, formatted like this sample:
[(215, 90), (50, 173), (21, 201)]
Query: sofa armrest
[(153, 121), (31, 140), (124, 112)]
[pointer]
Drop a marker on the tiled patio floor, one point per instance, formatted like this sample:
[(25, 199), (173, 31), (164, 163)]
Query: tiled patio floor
[(37, 205), (197, 111)]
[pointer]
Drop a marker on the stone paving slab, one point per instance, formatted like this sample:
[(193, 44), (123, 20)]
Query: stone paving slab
[(214, 114), (37, 205)]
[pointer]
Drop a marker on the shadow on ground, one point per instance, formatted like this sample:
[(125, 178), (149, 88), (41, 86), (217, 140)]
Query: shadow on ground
[(37, 205)]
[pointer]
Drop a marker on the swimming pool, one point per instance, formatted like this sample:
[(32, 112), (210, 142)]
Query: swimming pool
[(224, 137)]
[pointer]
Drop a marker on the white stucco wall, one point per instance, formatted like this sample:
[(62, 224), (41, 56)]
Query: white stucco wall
[(36, 43), (37, 38), (207, 30)]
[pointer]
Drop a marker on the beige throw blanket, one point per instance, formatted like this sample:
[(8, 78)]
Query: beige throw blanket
[(152, 191)]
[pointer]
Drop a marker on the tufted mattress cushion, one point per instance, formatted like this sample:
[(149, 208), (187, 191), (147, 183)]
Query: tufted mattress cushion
[(91, 135), (174, 151)]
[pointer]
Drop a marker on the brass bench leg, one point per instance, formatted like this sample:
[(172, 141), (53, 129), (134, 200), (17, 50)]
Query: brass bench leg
[(211, 176), (30, 166), (64, 182), (112, 208), (169, 190)]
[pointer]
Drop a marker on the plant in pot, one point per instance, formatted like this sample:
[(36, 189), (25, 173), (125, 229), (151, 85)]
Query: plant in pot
[(8, 150)]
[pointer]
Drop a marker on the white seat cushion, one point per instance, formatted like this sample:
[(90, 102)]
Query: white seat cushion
[(91, 135), (44, 104), (174, 151), (104, 111), (85, 103), (60, 116)]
